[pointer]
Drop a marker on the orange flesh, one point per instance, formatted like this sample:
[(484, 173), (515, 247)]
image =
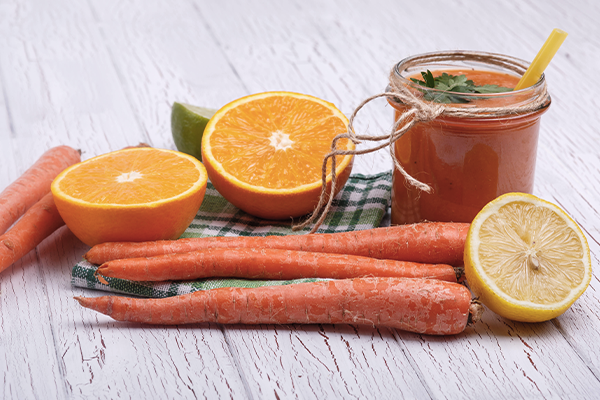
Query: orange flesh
[(127, 178), (272, 142), (467, 162)]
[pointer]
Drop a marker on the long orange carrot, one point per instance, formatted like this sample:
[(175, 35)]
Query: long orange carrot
[(34, 184), (37, 224), (267, 264), (419, 305), (435, 242)]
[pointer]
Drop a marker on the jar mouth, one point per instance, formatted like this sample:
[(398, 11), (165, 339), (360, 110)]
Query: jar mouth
[(452, 60)]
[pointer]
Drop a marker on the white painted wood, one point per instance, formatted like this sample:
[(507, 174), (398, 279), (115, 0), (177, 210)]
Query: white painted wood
[(67, 90), (162, 54), (101, 75), (323, 362)]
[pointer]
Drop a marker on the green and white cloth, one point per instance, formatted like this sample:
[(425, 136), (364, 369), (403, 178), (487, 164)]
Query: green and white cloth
[(362, 204)]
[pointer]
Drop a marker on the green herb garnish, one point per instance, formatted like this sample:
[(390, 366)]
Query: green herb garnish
[(455, 84)]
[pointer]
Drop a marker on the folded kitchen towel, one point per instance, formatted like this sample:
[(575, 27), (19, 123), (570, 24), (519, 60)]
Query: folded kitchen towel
[(361, 204)]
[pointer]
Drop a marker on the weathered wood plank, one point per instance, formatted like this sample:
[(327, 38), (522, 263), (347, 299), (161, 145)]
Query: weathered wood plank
[(63, 87), (165, 53), (500, 359), (59, 84), (27, 345), (28, 352), (102, 75), (323, 362)]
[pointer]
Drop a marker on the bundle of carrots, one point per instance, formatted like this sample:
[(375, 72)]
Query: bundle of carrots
[(400, 277), (28, 202)]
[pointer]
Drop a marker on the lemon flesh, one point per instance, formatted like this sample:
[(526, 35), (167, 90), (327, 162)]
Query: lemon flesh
[(187, 127), (526, 259)]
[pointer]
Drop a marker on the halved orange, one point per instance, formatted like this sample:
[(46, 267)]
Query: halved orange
[(135, 194), (264, 153)]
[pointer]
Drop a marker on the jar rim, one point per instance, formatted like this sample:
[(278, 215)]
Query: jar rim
[(507, 63)]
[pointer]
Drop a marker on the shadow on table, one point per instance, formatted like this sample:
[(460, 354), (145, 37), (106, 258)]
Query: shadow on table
[(491, 326), (317, 329)]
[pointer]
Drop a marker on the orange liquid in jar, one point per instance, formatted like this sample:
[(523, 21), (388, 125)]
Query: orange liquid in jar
[(467, 161)]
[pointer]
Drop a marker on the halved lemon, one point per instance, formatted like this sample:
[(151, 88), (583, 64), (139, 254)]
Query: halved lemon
[(136, 194), (526, 259), (264, 153)]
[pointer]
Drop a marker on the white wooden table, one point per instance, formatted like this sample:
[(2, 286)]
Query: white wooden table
[(99, 75)]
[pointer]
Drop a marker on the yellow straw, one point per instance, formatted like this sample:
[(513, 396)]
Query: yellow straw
[(542, 59)]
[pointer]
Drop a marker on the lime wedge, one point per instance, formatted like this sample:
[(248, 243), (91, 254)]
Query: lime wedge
[(187, 126)]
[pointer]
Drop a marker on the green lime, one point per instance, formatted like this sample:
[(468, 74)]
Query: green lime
[(187, 126)]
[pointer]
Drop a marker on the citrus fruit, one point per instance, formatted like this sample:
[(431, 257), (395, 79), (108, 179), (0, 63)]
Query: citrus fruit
[(264, 153), (187, 126), (526, 259), (134, 194)]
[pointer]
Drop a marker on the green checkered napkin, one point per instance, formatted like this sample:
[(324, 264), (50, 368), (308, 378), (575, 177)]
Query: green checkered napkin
[(361, 204)]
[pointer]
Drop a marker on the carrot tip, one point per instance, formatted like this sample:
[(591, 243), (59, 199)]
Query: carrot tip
[(98, 275), (88, 302), (81, 300)]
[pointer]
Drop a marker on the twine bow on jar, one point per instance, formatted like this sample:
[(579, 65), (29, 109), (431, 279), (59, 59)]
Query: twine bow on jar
[(418, 110)]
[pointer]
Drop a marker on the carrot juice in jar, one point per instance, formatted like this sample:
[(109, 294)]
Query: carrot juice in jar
[(466, 160)]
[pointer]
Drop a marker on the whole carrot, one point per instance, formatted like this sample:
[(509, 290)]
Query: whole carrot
[(34, 184), (38, 223), (419, 305), (434, 242), (267, 264)]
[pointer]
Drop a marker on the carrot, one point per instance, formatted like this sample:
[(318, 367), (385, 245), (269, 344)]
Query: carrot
[(266, 264), (38, 223), (34, 184), (419, 305), (434, 242)]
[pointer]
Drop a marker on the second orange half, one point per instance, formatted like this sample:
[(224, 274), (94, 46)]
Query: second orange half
[(264, 153)]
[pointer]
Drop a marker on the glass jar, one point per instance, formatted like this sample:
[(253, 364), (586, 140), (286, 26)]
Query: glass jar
[(467, 161)]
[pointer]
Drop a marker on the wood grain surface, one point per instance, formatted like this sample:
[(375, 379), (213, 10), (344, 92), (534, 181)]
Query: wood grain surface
[(101, 75)]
